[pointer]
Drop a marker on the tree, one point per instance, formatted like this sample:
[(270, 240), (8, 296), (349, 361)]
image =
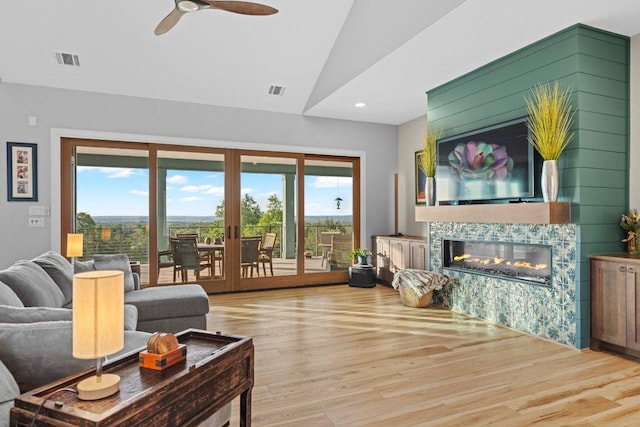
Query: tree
[(273, 215), (220, 209), (84, 223), (250, 211)]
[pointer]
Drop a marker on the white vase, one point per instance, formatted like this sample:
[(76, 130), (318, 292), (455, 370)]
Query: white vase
[(429, 191), (550, 182)]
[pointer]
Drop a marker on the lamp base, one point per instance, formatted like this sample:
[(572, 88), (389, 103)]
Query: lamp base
[(94, 388)]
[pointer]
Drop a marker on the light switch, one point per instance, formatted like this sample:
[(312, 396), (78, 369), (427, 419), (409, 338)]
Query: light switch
[(39, 211)]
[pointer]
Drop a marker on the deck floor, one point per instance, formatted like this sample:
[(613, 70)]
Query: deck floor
[(281, 267)]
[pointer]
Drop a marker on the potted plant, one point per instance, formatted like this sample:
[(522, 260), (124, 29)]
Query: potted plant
[(428, 164), (361, 254), (631, 225), (550, 119)]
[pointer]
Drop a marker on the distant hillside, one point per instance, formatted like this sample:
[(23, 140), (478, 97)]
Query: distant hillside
[(145, 220), (200, 219), (337, 218)]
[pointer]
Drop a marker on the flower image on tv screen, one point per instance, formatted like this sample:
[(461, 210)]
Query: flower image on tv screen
[(491, 163)]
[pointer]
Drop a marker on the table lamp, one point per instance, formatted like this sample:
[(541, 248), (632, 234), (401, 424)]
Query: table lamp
[(98, 327), (74, 246)]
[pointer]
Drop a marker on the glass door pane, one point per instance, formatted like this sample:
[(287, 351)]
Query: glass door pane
[(267, 216), (328, 215), (190, 217), (112, 203)]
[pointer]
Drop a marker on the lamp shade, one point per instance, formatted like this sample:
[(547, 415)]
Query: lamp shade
[(98, 313), (74, 244)]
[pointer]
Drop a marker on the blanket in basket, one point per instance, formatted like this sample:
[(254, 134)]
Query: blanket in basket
[(421, 281)]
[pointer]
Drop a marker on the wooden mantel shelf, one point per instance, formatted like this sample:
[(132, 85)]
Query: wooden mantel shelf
[(507, 213)]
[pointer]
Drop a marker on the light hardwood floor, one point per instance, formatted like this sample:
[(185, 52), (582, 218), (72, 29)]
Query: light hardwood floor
[(341, 356)]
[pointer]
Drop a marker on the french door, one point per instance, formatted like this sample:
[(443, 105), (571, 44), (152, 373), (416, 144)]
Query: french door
[(243, 208)]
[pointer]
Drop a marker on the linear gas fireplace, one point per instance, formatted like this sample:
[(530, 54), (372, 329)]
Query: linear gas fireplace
[(526, 262)]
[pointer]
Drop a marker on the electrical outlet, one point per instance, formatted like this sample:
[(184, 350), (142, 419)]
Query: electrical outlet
[(36, 222)]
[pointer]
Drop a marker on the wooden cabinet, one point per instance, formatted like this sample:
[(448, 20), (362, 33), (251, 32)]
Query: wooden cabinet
[(418, 251), (394, 253), (615, 298)]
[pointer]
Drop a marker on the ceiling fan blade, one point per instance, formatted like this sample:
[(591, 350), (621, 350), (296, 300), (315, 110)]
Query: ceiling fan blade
[(168, 22), (242, 7)]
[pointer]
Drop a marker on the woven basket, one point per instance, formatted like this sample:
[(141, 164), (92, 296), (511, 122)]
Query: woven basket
[(410, 298)]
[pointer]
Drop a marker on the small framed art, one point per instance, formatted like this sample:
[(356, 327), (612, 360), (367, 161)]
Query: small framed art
[(22, 172), (421, 179)]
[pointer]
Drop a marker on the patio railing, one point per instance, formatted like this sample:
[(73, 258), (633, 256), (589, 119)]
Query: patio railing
[(133, 239)]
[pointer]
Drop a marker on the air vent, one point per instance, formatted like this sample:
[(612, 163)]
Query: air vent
[(67, 59), (277, 90)]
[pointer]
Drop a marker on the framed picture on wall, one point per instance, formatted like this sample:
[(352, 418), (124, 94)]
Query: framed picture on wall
[(22, 172), (421, 179)]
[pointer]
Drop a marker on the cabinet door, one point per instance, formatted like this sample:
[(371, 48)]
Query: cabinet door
[(608, 302), (633, 307), (418, 255), (383, 260), (400, 258)]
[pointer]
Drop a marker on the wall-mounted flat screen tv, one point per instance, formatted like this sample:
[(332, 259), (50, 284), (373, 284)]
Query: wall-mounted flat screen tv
[(492, 163)]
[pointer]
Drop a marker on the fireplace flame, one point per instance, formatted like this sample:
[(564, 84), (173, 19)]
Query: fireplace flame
[(468, 258)]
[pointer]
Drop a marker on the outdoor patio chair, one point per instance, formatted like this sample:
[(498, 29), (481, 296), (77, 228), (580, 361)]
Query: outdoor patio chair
[(187, 257), (250, 253), (266, 252)]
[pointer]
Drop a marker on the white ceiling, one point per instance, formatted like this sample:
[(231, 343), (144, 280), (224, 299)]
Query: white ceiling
[(329, 54)]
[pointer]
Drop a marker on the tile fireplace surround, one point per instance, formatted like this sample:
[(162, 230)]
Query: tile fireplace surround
[(548, 312)]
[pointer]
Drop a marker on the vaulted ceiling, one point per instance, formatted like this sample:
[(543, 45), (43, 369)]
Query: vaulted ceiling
[(327, 54)]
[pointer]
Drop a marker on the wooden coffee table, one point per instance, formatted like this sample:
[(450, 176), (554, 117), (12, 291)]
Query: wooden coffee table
[(218, 369)]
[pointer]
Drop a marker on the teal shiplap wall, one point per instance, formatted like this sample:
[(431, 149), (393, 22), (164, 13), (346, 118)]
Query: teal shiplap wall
[(594, 168)]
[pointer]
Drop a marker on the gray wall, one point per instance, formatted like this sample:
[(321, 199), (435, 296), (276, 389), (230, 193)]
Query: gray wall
[(74, 113)]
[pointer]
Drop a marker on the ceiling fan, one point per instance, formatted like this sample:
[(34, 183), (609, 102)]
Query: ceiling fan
[(188, 6)]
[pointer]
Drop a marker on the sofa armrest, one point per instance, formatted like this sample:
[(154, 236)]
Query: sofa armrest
[(130, 317), (136, 281)]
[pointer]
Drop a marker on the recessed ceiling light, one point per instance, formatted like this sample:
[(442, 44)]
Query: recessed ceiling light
[(360, 105)]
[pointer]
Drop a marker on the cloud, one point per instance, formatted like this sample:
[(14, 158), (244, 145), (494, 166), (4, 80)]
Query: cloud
[(177, 179), (196, 188), (81, 169), (111, 172), (139, 193), (216, 191), (246, 191), (332, 182), (119, 172), (190, 199)]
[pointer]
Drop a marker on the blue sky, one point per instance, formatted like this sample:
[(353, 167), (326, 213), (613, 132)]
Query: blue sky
[(124, 192)]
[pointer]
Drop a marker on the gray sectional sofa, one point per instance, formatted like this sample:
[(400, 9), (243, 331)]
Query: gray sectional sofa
[(35, 321)]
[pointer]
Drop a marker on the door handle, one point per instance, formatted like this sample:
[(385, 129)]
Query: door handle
[(237, 234), (622, 269), (631, 270), (229, 233)]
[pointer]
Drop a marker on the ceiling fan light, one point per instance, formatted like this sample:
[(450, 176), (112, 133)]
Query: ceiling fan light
[(186, 6)]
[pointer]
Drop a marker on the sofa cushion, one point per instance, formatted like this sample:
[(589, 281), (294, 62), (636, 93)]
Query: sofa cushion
[(10, 314), (82, 266), (39, 353), (60, 270), (116, 262), (8, 297), (8, 391), (166, 302), (32, 285)]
